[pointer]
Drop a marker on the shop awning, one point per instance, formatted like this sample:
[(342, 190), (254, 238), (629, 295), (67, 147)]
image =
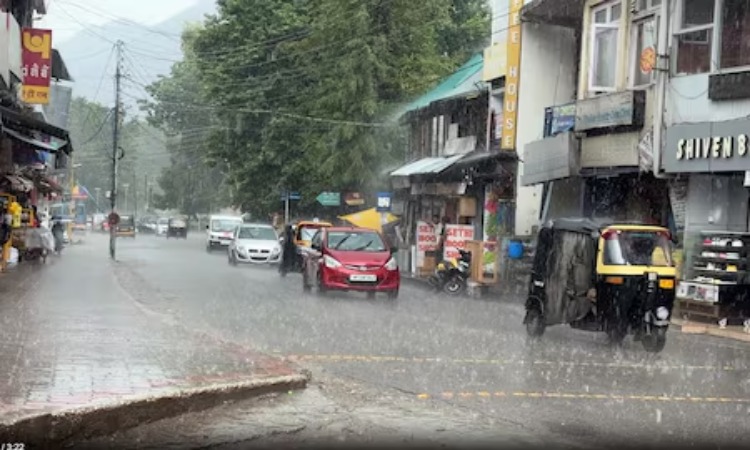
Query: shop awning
[(32, 131), (564, 13), (424, 166), (18, 183)]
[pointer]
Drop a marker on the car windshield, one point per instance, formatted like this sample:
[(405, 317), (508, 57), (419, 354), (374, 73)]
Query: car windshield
[(257, 233), (126, 220), (224, 225), (307, 232), (163, 221), (637, 248), (358, 241), (177, 223)]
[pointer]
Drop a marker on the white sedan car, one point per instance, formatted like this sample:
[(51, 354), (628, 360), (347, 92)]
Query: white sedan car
[(255, 244)]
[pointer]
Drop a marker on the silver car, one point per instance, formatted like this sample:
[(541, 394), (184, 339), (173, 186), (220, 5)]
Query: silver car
[(254, 243)]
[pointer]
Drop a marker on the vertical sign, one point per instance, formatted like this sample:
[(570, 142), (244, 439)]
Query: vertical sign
[(36, 59), (512, 76), (426, 241), (455, 239), (384, 202)]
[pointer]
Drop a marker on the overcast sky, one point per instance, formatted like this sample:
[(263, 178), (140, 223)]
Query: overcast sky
[(99, 12)]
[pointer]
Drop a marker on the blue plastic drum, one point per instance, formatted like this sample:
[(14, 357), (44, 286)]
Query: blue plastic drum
[(515, 249)]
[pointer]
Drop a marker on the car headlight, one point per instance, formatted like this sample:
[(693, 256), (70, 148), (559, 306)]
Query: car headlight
[(662, 313), (241, 249), (276, 251), (392, 264), (331, 263)]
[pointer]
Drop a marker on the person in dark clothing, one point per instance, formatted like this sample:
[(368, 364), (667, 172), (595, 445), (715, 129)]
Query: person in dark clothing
[(58, 231), (289, 253)]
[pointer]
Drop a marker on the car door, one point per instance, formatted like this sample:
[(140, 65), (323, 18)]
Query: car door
[(314, 256)]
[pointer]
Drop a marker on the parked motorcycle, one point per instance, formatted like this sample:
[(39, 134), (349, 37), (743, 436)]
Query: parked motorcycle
[(451, 275)]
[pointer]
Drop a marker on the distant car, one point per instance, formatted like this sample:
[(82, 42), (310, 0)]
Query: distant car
[(220, 231), (126, 227), (254, 243), (350, 259), (161, 226)]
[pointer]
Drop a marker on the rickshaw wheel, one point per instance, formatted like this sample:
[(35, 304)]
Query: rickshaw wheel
[(534, 323), (654, 342)]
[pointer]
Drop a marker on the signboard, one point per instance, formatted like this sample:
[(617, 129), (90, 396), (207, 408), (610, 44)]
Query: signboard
[(36, 58), (329, 198), (611, 110), (455, 239), (512, 76), (550, 159), (354, 199), (384, 202), (426, 241), (708, 147), (562, 118)]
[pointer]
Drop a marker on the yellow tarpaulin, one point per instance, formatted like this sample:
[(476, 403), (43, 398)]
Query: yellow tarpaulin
[(369, 218)]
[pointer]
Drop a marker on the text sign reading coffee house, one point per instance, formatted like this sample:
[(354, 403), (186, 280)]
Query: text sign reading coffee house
[(708, 147)]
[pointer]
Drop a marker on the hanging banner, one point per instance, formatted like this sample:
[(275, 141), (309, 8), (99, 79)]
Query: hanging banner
[(36, 59), (512, 76), (456, 237)]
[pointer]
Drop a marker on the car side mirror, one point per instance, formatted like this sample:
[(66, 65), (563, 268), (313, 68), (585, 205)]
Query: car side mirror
[(393, 250)]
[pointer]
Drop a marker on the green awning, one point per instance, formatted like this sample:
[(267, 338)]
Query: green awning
[(464, 82)]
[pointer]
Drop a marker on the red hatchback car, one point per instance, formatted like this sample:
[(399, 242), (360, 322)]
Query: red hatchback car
[(350, 259)]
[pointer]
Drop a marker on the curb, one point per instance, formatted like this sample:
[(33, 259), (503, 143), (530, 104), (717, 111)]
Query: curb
[(700, 328), (59, 428)]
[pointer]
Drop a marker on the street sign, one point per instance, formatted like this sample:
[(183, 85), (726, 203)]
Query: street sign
[(290, 196), (329, 198), (384, 202)]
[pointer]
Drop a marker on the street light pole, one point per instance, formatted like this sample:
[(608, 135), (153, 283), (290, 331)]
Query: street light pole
[(115, 150)]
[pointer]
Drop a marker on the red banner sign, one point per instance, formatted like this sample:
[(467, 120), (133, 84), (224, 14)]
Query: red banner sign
[(37, 65)]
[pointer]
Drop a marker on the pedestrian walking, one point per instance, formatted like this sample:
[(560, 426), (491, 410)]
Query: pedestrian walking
[(289, 253)]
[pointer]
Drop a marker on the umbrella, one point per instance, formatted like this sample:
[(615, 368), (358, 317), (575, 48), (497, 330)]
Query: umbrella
[(370, 218)]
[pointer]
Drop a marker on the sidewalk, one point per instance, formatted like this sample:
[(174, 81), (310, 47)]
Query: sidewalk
[(736, 333), (72, 339)]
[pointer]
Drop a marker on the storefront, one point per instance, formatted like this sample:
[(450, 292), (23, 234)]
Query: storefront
[(710, 199)]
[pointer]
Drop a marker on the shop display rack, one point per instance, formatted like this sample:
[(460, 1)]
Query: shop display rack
[(717, 283)]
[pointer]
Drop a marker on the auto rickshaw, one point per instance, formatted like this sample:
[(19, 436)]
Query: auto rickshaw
[(305, 230), (126, 227), (615, 278), (176, 228)]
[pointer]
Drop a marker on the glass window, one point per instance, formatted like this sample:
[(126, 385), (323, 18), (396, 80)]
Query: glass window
[(257, 233), (645, 51), (637, 248), (735, 33), (693, 40), (604, 46), (355, 241), (697, 12), (306, 233), (224, 225)]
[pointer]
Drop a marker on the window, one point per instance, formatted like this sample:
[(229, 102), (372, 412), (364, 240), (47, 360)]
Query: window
[(355, 241), (645, 31), (693, 40), (604, 33), (633, 248), (735, 34), (257, 233)]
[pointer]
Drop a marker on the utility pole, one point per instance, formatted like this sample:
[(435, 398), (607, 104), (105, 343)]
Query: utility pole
[(135, 196), (115, 150)]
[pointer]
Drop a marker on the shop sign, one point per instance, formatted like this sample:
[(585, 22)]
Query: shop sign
[(456, 237), (426, 240), (384, 202), (559, 119), (708, 147), (354, 199), (612, 110), (512, 76), (550, 159), (36, 59)]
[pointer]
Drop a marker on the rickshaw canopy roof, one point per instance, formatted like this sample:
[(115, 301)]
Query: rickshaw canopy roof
[(576, 225)]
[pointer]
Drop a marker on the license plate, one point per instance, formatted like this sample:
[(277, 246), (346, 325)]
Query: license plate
[(363, 277)]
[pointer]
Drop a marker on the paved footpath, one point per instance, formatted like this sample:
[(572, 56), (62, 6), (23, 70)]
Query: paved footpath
[(70, 337)]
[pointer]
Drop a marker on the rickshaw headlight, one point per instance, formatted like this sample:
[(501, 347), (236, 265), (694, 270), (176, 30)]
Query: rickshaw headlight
[(662, 313)]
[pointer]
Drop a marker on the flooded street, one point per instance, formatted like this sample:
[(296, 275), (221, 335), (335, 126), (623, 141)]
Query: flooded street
[(443, 361)]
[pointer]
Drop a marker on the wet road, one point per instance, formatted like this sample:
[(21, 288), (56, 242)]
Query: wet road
[(465, 355)]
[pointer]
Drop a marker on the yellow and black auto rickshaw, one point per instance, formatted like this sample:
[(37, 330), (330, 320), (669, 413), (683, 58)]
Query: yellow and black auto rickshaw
[(305, 230), (615, 278)]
